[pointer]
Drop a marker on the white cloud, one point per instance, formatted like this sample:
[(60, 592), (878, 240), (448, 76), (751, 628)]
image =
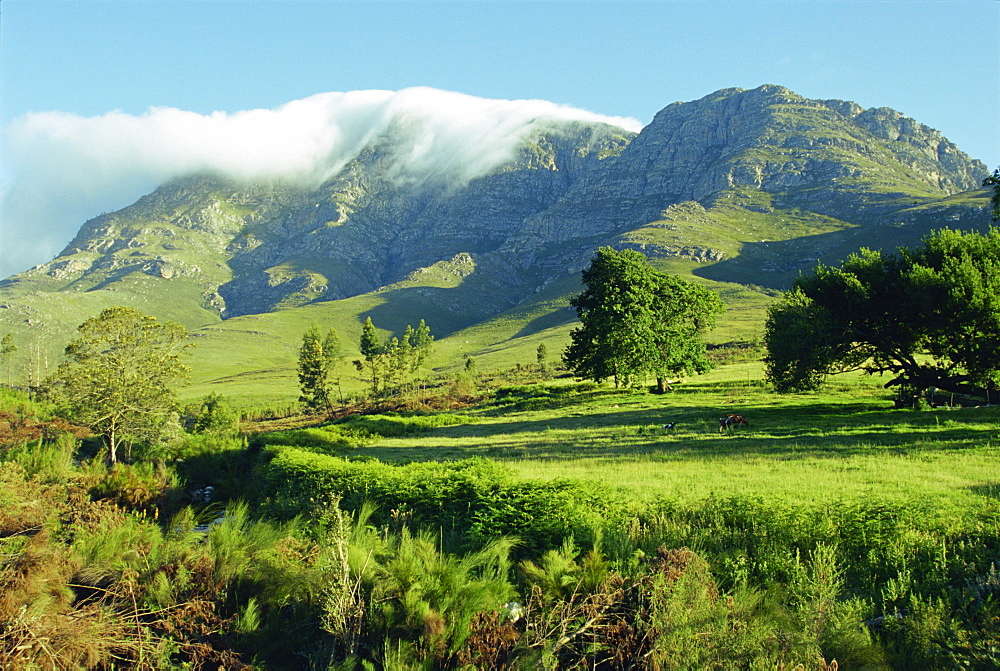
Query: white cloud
[(62, 169)]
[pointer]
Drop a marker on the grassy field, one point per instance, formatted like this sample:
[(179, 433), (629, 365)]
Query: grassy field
[(846, 443), (834, 527), (872, 514)]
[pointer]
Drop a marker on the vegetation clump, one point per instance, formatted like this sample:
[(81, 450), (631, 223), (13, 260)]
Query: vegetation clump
[(119, 375), (319, 366), (928, 316), (393, 361), (638, 323)]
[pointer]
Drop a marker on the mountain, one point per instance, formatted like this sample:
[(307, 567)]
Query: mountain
[(741, 187)]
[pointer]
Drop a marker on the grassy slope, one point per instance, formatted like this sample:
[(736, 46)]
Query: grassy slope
[(253, 357), (843, 445)]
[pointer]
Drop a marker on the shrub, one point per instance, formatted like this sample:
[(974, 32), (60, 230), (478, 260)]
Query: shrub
[(323, 440), (391, 425), (142, 486), (213, 415), (472, 501)]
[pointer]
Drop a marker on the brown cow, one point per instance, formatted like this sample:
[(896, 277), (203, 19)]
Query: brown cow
[(732, 420)]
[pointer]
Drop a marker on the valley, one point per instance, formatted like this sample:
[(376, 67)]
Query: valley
[(491, 511)]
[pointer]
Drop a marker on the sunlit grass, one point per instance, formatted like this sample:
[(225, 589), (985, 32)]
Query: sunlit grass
[(846, 443)]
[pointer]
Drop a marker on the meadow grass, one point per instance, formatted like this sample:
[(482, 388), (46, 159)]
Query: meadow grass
[(844, 443), (252, 359)]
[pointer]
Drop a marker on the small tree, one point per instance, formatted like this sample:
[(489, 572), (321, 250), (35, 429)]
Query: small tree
[(392, 360), (422, 341), (994, 181), (214, 415), (373, 350), (119, 374), (540, 354), (319, 359), (638, 323), (7, 349)]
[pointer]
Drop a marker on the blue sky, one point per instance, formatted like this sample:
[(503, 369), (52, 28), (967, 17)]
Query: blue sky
[(938, 62)]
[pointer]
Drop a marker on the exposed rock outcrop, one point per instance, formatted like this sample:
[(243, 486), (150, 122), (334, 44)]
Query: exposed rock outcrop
[(569, 188)]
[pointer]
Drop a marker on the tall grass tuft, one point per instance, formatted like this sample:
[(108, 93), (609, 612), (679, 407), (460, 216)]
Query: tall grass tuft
[(52, 461)]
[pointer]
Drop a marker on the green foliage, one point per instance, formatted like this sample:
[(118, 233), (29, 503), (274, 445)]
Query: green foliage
[(929, 316), (558, 576), (826, 621), (683, 607), (330, 439), (422, 593), (994, 181), (119, 375), (390, 425), (319, 364), (47, 460), (870, 583), (395, 360), (214, 415), (219, 460), (539, 396), (142, 486), (637, 322), (472, 501)]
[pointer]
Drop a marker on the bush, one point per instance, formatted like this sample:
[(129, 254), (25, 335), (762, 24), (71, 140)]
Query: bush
[(213, 415), (330, 440), (392, 425), (144, 486), (541, 396), (473, 501)]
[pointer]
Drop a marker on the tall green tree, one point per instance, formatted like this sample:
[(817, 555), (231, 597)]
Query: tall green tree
[(319, 359), (928, 316), (422, 342), (373, 350), (119, 375), (638, 323)]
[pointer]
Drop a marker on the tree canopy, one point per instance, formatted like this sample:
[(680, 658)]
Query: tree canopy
[(392, 360), (119, 373), (929, 316), (319, 357), (638, 323)]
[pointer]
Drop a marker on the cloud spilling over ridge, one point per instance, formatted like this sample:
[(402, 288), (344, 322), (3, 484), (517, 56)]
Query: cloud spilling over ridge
[(62, 169)]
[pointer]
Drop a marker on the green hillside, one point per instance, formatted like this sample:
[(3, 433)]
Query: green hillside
[(253, 356), (741, 191)]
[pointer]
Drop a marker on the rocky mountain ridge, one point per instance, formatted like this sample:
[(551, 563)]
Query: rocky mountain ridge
[(707, 185)]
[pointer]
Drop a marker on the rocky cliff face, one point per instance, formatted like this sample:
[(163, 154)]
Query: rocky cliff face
[(568, 189)]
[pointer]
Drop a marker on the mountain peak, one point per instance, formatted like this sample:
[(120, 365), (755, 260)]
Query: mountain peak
[(699, 187)]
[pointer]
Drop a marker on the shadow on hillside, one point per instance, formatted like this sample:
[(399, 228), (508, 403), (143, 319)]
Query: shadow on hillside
[(777, 263), (556, 318), (444, 310)]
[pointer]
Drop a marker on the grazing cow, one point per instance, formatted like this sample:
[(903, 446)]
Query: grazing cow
[(732, 420), (669, 425)]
